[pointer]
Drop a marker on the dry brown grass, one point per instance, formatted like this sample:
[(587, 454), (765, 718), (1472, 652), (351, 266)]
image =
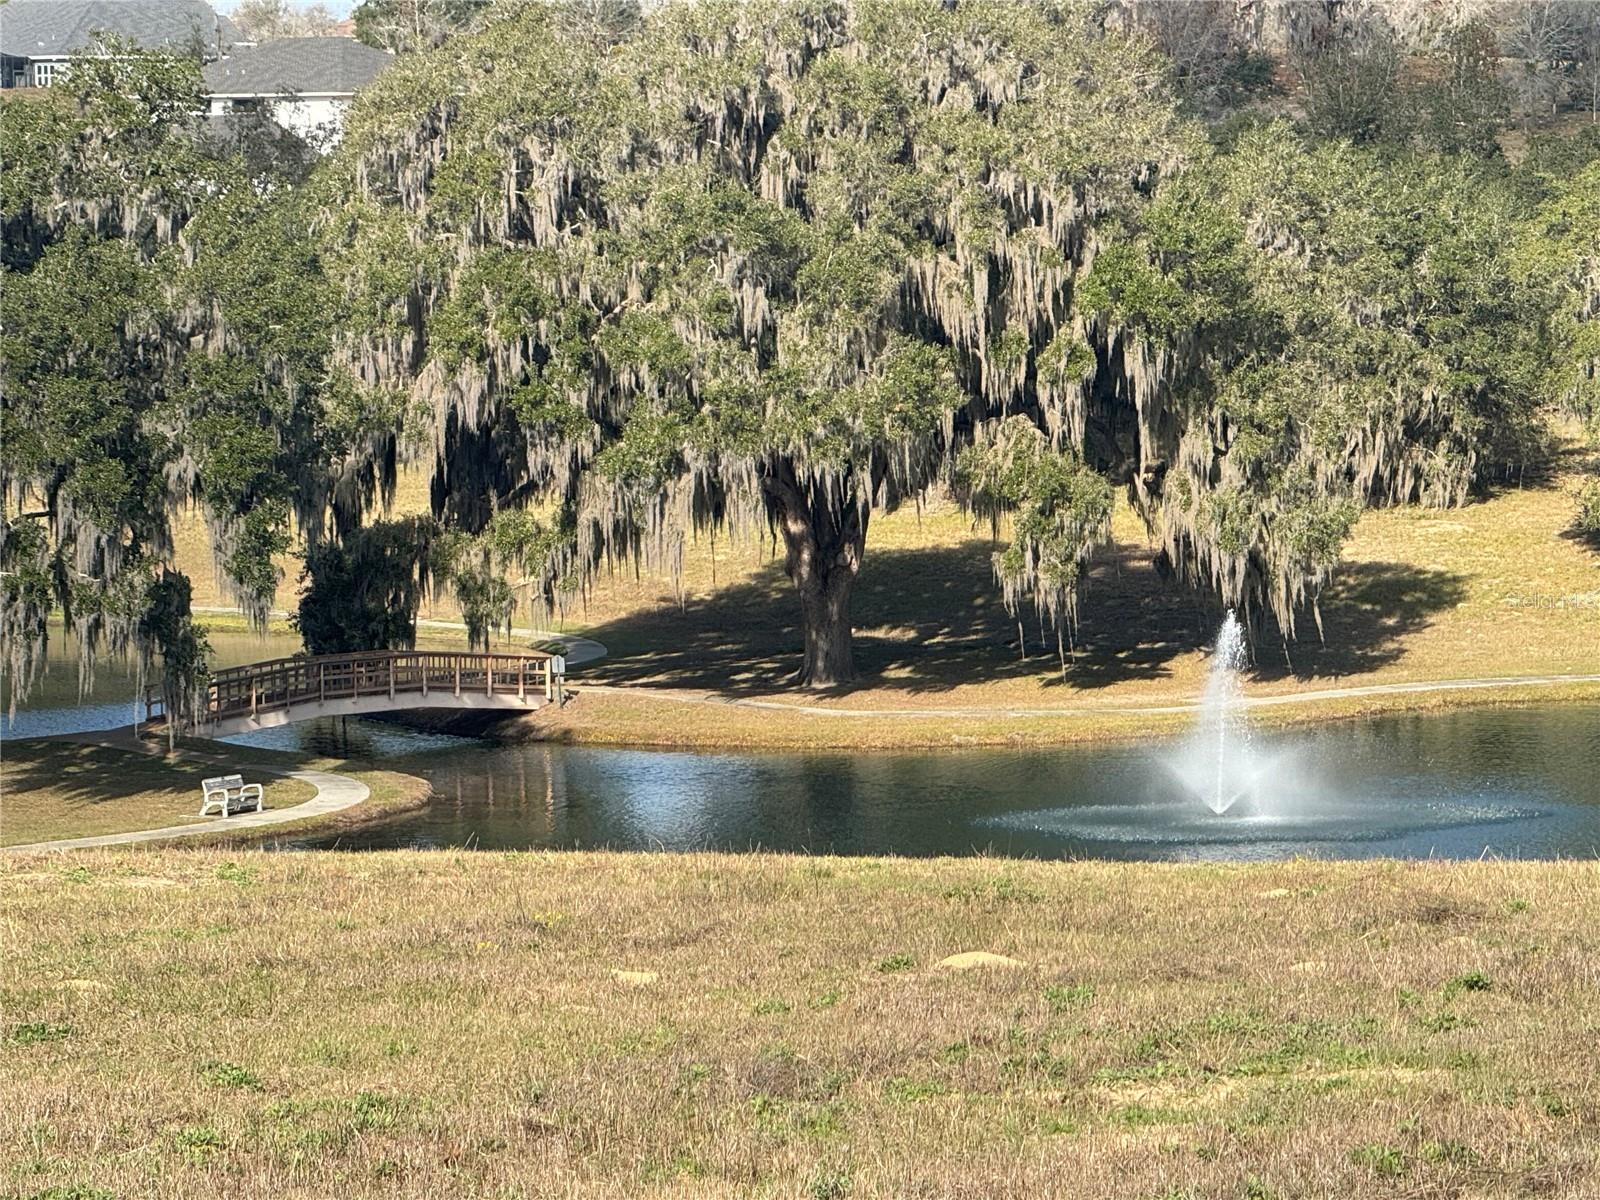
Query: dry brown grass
[(193, 1024)]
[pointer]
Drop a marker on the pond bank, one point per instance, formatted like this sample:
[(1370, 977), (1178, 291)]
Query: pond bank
[(885, 719)]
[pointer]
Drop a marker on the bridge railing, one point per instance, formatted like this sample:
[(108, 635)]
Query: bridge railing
[(285, 682)]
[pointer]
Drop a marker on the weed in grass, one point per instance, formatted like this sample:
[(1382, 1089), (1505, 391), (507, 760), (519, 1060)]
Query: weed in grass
[(325, 1052), (231, 872), (909, 1091), (77, 875), (1062, 996), (829, 1183), (198, 1142), (827, 999), (1445, 1151), (1258, 1189), (682, 1165), (374, 1111), (1141, 1116), (1551, 1104), (772, 1006), (896, 962), (821, 1120), (1040, 1064), (32, 1033), (1472, 981), (955, 1053), (1005, 889), (1380, 1158), (1444, 1022), (74, 1191), (229, 1075)]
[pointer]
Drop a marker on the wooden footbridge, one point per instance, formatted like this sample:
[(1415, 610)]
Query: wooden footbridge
[(284, 690)]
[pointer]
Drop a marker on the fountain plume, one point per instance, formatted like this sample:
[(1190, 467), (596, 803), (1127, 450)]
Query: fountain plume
[(1217, 764)]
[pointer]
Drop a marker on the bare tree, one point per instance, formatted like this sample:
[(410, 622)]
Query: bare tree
[(1586, 47), (262, 20), (1541, 38), (400, 26)]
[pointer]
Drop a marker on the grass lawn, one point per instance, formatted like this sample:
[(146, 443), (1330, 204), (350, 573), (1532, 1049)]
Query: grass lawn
[(196, 1024), (53, 789)]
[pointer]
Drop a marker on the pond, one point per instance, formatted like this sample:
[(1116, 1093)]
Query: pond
[(1515, 783), (1509, 782)]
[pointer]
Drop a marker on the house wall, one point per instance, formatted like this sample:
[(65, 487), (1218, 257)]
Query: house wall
[(317, 119)]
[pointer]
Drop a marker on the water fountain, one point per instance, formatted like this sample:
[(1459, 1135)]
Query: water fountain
[(1217, 763)]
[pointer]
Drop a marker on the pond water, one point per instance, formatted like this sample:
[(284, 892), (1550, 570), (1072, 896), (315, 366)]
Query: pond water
[(1516, 783), (1509, 782)]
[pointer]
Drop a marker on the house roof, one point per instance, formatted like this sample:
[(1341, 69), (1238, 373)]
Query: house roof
[(306, 66), (54, 28)]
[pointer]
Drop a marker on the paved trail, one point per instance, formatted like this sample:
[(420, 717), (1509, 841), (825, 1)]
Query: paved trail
[(334, 794)]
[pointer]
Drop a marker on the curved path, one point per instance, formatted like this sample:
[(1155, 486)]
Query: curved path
[(334, 793), (1110, 706)]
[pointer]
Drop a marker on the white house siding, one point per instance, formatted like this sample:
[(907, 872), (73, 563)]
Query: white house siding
[(317, 119)]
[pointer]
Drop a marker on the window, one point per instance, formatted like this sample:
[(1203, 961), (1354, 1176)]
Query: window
[(44, 73)]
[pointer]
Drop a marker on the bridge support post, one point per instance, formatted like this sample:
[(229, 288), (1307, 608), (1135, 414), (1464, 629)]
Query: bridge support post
[(458, 678), (391, 678), (322, 682), (253, 697), (488, 674), (522, 679)]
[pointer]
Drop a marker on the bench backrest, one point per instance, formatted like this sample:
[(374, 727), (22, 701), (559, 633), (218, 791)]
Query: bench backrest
[(223, 783)]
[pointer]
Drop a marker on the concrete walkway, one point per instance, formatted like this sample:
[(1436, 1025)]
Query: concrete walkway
[(334, 794)]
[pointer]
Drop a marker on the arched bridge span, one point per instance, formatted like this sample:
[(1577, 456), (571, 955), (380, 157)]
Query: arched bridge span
[(284, 690)]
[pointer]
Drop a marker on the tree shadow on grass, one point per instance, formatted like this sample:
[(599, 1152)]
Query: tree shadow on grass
[(1369, 610), (95, 775), (929, 619)]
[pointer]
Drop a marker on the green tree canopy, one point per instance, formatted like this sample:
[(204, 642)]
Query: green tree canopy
[(160, 345), (753, 265), (788, 265)]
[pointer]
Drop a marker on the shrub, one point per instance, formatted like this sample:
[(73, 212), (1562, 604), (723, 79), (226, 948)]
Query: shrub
[(1587, 521)]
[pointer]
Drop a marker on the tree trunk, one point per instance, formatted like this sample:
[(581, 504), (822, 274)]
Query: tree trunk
[(824, 533)]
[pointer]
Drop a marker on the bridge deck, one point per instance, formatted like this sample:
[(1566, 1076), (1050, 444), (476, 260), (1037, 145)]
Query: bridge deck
[(283, 690)]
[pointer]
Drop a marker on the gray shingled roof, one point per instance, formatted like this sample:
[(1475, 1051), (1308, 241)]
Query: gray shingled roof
[(47, 28), (306, 66)]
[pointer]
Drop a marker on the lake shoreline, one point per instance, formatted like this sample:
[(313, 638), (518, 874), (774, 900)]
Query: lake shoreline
[(649, 718)]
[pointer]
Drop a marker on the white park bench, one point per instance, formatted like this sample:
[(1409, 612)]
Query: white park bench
[(228, 794)]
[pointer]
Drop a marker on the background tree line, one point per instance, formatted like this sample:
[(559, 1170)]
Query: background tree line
[(620, 275)]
